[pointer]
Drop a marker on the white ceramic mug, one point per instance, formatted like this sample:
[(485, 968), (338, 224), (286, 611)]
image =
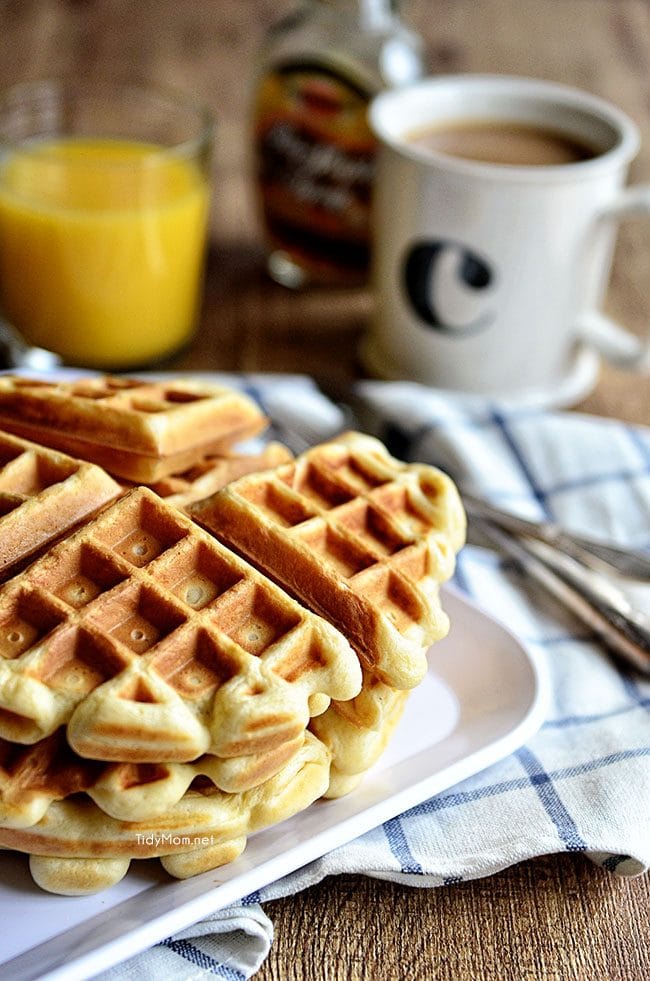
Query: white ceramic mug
[(489, 278)]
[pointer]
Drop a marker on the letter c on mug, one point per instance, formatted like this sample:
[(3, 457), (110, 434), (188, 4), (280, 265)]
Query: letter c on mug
[(449, 286)]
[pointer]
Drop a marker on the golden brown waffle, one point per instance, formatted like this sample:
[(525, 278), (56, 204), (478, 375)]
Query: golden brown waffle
[(75, 848), (42, 495), (214, 472), (359, 537), (31, 777), (135, 429), (153, 642)]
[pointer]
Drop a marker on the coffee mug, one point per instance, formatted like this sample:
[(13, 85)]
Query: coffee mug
[(496, 205)]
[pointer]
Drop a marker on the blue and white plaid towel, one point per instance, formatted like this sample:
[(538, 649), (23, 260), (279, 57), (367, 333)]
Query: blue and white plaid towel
[(582, 784)]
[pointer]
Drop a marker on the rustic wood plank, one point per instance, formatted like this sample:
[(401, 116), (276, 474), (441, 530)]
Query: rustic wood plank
[(555, 917)]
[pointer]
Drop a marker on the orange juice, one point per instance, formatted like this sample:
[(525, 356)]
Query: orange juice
[(101, 248)]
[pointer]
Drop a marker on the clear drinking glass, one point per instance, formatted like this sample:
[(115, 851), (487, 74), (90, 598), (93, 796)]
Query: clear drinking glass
[(104, 199)]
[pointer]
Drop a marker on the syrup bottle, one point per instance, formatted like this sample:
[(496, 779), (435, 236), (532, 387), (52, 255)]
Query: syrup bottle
[(313, 149)]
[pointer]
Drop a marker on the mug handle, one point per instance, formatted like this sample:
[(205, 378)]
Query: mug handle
[(619, 346)]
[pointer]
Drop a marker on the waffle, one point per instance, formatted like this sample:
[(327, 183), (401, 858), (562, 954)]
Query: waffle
[(42, 495), (32, 777), (153, 642), (75, 848), (213, 472), (134, 429), (357, 732), (358, 537)]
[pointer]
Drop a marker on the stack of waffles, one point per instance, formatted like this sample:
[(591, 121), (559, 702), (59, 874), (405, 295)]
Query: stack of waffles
[(155, 690), (180, 670), (155, 693)]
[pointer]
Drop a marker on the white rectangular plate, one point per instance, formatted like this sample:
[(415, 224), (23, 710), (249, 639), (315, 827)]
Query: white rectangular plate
[(483, 697)]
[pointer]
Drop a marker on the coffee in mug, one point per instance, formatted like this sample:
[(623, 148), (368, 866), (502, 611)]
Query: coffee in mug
[(505, 142), (496, 202)]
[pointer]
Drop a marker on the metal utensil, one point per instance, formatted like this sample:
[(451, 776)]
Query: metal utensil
[(627, 562), (588, 594)]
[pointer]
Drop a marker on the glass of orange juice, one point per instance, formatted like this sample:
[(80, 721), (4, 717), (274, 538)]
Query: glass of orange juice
[(104, 199)]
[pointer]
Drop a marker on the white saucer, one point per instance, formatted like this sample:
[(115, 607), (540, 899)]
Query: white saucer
[(577, 383)]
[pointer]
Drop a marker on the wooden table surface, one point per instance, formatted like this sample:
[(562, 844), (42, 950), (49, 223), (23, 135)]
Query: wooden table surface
[(555, 917)]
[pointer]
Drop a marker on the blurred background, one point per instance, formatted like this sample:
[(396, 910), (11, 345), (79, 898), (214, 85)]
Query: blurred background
[(210, 50)]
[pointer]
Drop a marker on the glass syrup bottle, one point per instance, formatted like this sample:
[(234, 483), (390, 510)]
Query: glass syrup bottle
[(313, 149)]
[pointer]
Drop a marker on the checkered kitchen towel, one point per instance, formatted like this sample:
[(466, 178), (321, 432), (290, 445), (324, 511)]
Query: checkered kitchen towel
[(582, 784)]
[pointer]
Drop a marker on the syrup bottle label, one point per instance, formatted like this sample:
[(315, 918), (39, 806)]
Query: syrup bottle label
[(315, 163)]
